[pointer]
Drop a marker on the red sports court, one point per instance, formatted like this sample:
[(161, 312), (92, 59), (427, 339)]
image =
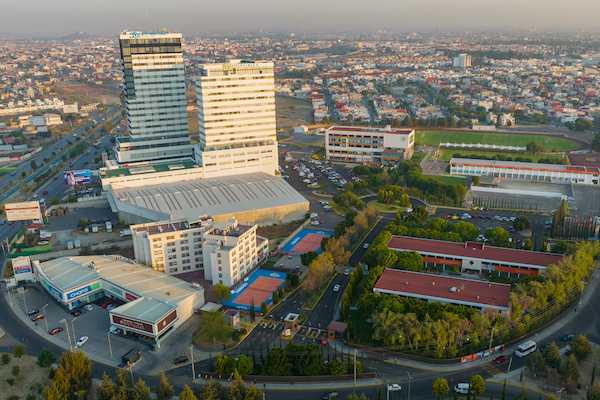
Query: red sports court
[(310, 242), (260, 290)]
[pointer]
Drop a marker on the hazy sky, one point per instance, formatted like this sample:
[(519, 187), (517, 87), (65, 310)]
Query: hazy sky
[(44, 17)]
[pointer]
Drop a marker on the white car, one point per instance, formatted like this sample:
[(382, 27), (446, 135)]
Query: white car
[(366, 246), (315, 223), (88, 307), (81, 341), (394, 387), (336, 288), (113, 330)]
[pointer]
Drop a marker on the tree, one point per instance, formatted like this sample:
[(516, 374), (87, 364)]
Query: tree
[(521, 223), (440, 388), (570, 370), (527, 245), (237, 391), (53, 201), (596, 142), (552, 356), (245, 366), (82, 223), (107, 389), (220, 293), (477, 385), (77, 367), (46, 357), (335, 367), (263, 308), (25, 187), (410, 261), (535, 147), (60, 388), (582, 124), (164, 390), (213, 326), (123, 385), (212, 391), (33, 165), (499, 236), (593, 392), (276, 362), (252, 393), (536, 362), (581, 347), (187, 394), (141, 391), (5, 359)]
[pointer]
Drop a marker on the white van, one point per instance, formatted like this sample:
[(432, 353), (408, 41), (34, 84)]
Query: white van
[(462, 388), (526, 348)]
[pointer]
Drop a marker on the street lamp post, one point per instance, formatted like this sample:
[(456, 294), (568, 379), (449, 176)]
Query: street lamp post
[(9, 296), (109, 346), (68, 334), (409, 379), (559, 392), (25, 300), (355, 366), (193, 372), (45, 319), (73, 329), (490, 348)]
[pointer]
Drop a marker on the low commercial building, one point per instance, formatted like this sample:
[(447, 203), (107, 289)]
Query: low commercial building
[(523, 171), (369, 145), (474, 256), (155, 304), (231, 251), (444, 289)]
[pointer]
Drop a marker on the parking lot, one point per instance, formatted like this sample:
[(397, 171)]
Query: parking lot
[(94, 324)]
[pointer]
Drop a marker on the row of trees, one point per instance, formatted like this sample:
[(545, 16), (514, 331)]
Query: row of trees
[(349, 200), (504, 157), (564, 227)]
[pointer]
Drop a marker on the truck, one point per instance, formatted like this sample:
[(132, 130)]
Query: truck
[(77, 243), (131, 357), (125, 232), (94, 228), (108, 226), (97, 143), (70, 245)]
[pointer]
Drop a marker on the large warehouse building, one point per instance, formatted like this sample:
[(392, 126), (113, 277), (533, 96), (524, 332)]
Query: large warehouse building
[(258, 198), (474, 256), (154, 306), (554, 173)]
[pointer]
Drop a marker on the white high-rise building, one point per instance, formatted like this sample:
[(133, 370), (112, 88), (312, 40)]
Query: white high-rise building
[(236, 115), (154, 82), (463, 61)]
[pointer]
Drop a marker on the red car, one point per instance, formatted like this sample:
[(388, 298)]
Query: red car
[(55, 331), (108, 303), (38, 317), (180, 360), (324, 342), (45, 192), (500, 359)]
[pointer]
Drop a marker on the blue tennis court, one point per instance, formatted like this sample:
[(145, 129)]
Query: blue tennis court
[(306, 240), (259, 286)]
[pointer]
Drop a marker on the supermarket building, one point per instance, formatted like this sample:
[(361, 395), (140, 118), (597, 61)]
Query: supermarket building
[(475, 257), (154, 304)]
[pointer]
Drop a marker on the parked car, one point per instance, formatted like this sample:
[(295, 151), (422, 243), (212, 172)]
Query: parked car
[(500, 359), (88, 307), (180, 360), (82, 340), (75, 313), (54, 331), (31, 312), (114, 330), (110, 307), (38, 317), (108, 303)]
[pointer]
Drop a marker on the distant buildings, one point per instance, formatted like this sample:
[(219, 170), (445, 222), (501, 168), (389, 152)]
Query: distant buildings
[(154, 83), (236, 115), (462, 61), (369, 145)]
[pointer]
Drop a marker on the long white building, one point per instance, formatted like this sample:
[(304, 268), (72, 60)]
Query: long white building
[(554, 173), (154, 83), (236, 116), (369, 145)]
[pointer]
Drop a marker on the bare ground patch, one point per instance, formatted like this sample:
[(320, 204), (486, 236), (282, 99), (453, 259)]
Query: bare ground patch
[(292, 112)]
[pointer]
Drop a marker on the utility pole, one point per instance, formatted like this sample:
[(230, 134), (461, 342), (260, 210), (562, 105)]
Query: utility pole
[(109, 346), (193, 372), (68, 334), (25, 300), (409, 379), (45, 319), (73, 328), (490, 348), (355, 366)]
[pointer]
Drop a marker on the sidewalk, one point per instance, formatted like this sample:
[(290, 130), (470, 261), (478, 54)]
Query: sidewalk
[(291, 385)]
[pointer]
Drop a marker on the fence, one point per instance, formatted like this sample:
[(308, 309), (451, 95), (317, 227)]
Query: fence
[(293, 234), (482, 146), (297, 379)]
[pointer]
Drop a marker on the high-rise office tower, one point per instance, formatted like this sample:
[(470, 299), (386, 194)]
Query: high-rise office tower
[(154, 82), (236, 115)]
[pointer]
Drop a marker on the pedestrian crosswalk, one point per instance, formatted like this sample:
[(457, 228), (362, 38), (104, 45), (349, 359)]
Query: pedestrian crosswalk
[(184, 350), (491, 369)]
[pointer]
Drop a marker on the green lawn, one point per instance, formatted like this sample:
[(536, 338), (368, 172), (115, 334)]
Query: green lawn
[(550, 143), (417, 157), (391, 208), (448, 180), (448, 154), (319, 155), (337, 208)]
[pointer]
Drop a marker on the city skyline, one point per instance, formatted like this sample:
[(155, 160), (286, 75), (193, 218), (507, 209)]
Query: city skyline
[(52, 19)]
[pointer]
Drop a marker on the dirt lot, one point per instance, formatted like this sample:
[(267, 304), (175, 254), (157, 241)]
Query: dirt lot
[(292, 112), (31, 379), (277, 231), (586, 160), (85, 94)]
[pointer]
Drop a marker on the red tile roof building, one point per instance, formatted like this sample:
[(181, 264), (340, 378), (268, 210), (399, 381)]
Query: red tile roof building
[(475, 256), (444, 289)]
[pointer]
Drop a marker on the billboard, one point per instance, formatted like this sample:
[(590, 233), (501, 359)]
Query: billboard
[(23, 211), (83, 290), (77, 177), (130, 323)]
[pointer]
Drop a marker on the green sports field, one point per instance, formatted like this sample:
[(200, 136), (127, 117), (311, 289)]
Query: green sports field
[(447, 154), (434, 138)]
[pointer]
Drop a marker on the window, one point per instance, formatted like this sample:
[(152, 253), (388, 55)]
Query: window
[(157, 246), (184, 242), (158, 253), (187, 261), (186, 267), (170, 237), (220, 276), (220, 269), (184, 248), (172, 270), (184, 235), (171, 244), (156, 239), (173, 257)]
